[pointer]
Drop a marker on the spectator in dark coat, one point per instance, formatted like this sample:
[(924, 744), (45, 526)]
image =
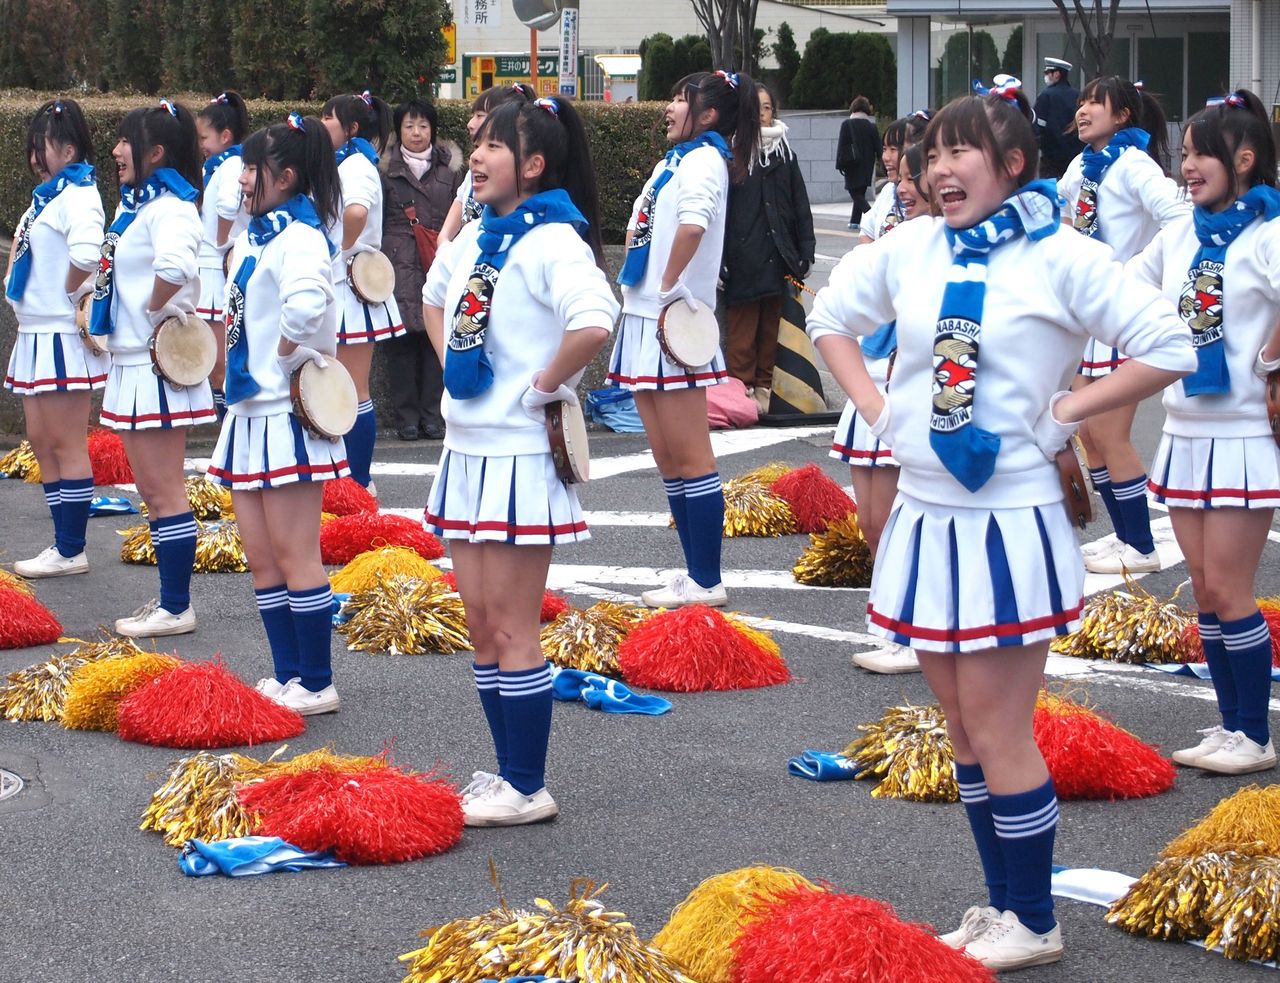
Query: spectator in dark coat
[(768, 234), (1055, 114), (420, 172), (857, 151)]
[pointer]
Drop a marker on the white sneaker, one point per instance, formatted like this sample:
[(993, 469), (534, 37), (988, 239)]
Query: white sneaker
[(481, 782), (1214, 738), (888, 660), (685, 590), (1239, 755), (372, 489), (1103, 547), (152, 621), (1125, 560), (270, 687), (762, 397), (972, 926), (51, 563), (504, 805), (297, 697), (1008, 944)]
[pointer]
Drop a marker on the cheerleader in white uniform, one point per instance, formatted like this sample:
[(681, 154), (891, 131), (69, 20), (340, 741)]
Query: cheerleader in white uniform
[(147, 275), (887, 211), (674, 241), (1118, 122), (528, 307), (978, 567), (358, 127), (1218, 467), (465, 207), (54, 249), (281, 315), (221, 126)]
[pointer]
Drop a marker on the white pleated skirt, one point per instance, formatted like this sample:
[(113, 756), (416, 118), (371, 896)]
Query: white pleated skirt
[(1216, 473), (364, 323), (256, 452), (213, 292), (513, 499), (638, 361), (856, 445), (138, 399), (47, 362), (953, 579), (1099, 359)]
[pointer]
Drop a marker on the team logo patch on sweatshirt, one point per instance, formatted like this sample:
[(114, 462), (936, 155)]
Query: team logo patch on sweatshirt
[(1086, 217), (472, 315), (1200, 303), (955, 367), (106, 265)]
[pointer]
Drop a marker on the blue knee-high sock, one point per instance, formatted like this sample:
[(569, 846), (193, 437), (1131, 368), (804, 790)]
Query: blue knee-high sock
[(1248, 649), (491, 702), (1101, 479), (220, 403), (76, 494), (679, 509), (1224, 682), (1135, 518), (1025, 824), (704, 503), (277, 619), (174, 539), (360, 440), (526, 708), (977, 806), (53, 499), (312, 611)]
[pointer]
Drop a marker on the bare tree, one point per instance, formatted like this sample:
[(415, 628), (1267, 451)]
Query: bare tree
[(731, 29), (1096, 19)]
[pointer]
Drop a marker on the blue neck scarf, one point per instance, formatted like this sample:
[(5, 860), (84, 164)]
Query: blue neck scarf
[(1201, 302), (78, 175), (467, 371), (240, 384), (1094, 164), (214, 162), (964, 448), (357, 145), (165, 181), (642, 237), (881, 342)]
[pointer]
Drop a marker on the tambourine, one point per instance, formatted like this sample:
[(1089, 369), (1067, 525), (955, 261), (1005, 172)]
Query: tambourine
[(1273, 403), (324, 399), (1075, 493), (372, 277), (688, 337), (567, 432), (96, 343), (183, 351)]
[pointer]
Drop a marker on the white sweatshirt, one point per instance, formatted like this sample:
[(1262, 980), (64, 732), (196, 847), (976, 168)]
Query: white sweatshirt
[(221, 201), (361, 185), (873, 220), (1135, 201), (68, 232), (1043, 300), (549, 284)]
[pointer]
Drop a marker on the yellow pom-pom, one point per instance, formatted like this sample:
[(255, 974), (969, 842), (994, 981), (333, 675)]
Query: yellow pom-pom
[(198, 799), (1171, 900), (750, 509), (838, 557), (97, 688), (21, 463), (326, 517), (764, 475), (362, 573), (219, 549), (39, 692), (14, 582), (1247, 822), (909, 751), (1243, 914), (406, 616), (1128, 626), (137, 546), (589, 640)]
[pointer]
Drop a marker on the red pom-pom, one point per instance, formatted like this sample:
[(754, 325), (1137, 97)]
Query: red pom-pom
[(1270, 609), (346, 496), (110, 463), (814, 498), (697, 648), (24, 621), (1091, 758), (450, 580), (203, 705), (833, 938), (553, 605), (347, 536), (371, 816)]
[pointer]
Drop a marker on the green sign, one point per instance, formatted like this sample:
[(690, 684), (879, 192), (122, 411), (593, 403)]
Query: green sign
[(448, 74), (518, 65)]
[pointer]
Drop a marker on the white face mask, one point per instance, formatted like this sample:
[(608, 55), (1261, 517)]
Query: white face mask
[(1048, 78)]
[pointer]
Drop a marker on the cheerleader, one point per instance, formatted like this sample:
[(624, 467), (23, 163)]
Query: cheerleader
[(674, 241), (1117, 121), (147, 275), (221, 127), (886, 210), (529, 306), (54, 249), (281, 315), (359, 126), (978, 566), (1217, 467)]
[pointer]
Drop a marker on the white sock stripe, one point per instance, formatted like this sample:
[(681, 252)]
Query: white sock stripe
[(673, 486), (1123, 493), (77, 494), (1247, 639), (1030, 823), (276, 599), (528, 685), (1211, 632), (365, 407), (187, 530), (976, 792), (1022, 833), (310, 605), (1100, 475), (53, 497), (708, 486)]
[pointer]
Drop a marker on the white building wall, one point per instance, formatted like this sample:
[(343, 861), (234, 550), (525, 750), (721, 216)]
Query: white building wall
[(1266, 83)]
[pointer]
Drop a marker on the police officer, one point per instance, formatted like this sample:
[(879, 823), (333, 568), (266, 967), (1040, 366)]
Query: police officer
[(1055, 111)]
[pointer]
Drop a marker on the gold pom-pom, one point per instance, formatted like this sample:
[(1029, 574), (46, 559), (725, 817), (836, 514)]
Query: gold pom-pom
[(14, 582), (326, 517), (362, 573), (209, 500), (198, 799), (326, 759), (1128, 626), (750, 509), (589, 640), (764, 475), (96, 688), (406, 616), (219, 549), (1243, 914), (838, 557), (39, 692), (1247, 822), (1172, 899), (137, 546), (909, 751), (21, 463), (700, 933), (580, 943)]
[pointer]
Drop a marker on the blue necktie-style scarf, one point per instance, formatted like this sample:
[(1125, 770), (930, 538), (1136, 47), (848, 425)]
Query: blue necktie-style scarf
[(164, 181), (964, 448), (357, 145), (216, 161), (642, 237), (1094, 165), (79, 175), (1201, 301), (467, 371)]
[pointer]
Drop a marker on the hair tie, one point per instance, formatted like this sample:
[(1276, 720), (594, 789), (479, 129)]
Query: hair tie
[(1004, 86), (220, 100), (1236, 101), (367, 96), (730, 78), (923, 114), (1138, 85), (57, 108), (296, 122), (169, 107), (550, 105)]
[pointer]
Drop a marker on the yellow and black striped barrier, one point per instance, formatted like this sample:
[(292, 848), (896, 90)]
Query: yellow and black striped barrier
[(797, 385)]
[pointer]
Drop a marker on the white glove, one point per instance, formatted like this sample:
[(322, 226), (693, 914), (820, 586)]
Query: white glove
[(169, 310), (881, 426), (299, 357), (534, 400), (80, 291), (678, 292), (1051, 434), (1262, 368)]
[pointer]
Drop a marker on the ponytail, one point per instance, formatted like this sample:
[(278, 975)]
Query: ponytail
[(302, 144), (62, 123), (734, 97), (366, 112), (1229, 123), (227, 111), (1144, 109), (171, 126)]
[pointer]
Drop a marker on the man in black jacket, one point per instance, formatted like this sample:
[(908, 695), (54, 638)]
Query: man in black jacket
[(857, 151), (1055, 110)]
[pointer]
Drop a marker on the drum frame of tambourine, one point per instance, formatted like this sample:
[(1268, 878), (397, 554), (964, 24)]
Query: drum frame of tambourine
[(155, 359), (299, 408), (568, 468), (351, 279), (666, 348)]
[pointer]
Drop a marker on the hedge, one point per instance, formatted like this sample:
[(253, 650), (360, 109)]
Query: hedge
[(623, 136)]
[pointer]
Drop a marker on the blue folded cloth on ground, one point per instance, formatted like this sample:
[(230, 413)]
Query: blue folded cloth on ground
[(822, 766), (340, 617), (602, 693), (1198, 669), (243, 856), (615, 408), (111, 505)]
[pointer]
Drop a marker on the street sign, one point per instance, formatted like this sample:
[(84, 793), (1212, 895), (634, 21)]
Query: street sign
[(450, 32), (447, 74)]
